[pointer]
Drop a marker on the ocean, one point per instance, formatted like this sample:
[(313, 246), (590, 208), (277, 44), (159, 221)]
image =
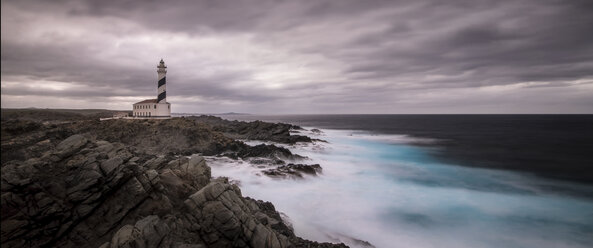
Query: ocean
[(435, 180)]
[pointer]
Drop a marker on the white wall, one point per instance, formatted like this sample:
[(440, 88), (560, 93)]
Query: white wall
[(149, 110), (163, 109)]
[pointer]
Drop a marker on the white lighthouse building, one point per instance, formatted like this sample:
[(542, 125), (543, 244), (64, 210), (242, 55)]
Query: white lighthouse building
[(159, 107)]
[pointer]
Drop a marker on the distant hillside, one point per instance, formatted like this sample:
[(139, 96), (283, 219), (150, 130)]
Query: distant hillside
[(35, 114)]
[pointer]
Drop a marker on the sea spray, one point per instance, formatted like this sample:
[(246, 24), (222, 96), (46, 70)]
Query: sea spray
[(391, 192)]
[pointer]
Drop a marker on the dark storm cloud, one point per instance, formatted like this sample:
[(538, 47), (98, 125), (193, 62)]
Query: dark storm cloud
[(235, 16), (553, 45), (344, 55)]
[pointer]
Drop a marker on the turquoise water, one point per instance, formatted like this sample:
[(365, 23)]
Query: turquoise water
[(382, 189)]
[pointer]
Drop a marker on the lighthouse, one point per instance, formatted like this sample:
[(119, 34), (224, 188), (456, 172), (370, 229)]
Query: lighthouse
[(157, 108), (162, 88)]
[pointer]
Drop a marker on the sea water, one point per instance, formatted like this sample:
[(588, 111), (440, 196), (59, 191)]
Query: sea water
[(390, 190)]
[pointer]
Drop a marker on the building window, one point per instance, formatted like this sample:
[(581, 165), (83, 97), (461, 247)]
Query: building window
[(155, 106)]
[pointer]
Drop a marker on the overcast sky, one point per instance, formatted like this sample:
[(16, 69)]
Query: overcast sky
[(287, 57)]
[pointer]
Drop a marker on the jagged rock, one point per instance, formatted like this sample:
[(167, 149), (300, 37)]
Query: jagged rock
[(293, 171), (225, 214), (316, 131), (70, 145), (256, 130), (267, 151), (147, 232), (124, 237), (87, 191), (110, 165), (177, 136)]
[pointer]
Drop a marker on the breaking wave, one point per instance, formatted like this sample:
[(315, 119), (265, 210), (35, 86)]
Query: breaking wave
[(387, 191)]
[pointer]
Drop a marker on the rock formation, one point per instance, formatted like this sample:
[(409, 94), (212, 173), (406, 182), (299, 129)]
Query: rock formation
[(256, 130), (86, 192), (184, 136), (294, 171), (133, 183)]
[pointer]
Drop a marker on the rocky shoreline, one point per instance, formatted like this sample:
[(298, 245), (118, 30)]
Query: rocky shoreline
[(140, 183)]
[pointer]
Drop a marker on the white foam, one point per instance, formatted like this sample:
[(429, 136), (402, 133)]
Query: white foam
[(379, 190)]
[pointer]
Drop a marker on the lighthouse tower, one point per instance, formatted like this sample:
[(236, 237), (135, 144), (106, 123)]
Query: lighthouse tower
[(157, 108), (162, 88)]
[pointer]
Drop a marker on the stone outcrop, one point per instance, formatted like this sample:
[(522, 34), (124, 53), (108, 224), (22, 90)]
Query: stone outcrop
[(294, 171), (178, 136), (87, 192), (256, 130)]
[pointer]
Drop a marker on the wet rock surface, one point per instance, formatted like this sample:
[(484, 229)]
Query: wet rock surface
[(294, 171), (22, 139), (256, 130), (132, 183), (86, 192)]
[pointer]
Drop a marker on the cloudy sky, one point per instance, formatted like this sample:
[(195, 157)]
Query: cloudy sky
[(287, 57)]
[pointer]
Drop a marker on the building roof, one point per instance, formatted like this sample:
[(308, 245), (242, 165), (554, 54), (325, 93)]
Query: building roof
[(147, 101)]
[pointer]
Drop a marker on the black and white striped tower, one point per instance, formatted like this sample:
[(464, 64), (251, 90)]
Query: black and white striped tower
[(162, 88)]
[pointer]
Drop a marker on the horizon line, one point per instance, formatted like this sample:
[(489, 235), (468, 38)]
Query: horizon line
[(243, 113)]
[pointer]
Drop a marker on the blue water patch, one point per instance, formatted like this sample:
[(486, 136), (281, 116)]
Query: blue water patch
[(483, 204), (414, 164), (397, 194)]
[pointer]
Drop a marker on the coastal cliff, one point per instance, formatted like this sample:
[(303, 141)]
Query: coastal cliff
[(130, 183)]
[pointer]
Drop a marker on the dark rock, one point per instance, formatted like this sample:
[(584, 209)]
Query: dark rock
[(70, 145), (16, 127), (185, 136), (89, 191), (267, 151), (294, 171), (266, 161), (256, 130), (147, 232)]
